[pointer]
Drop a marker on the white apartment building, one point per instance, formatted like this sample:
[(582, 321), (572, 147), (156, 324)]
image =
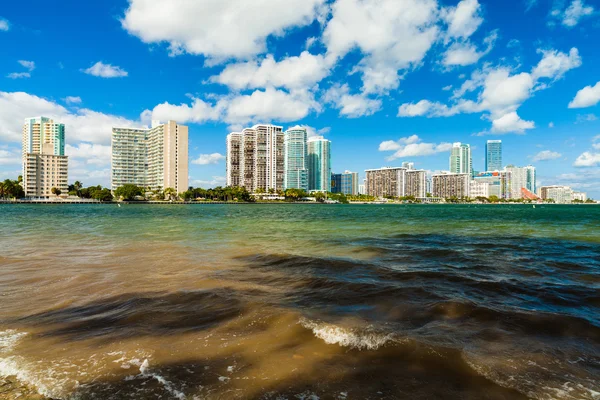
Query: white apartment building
[(521, 178), (581, 196), (255, 158), (155, 158), (559, 194), (451, 185), (461, 161), (479, 189), (45, 165)]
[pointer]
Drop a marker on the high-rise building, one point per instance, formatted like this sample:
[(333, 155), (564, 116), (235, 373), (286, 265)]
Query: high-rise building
[(479, 189), (493, 155), (559, 194), (415, 183), (346, 183), (319, 164), (295, 159), (521, 178), (500, 183), (385, 182), (255, 158), (460, 159), (155, 158), (451, 185), (45, 165)]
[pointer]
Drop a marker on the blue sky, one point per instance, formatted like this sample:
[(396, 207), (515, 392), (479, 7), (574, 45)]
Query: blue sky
[(385, 80)]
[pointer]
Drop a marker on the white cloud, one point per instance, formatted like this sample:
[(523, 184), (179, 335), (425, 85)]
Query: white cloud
[(4, 25), (311, 131), (465, 53), (18, 75), (206, 159), (546, 155), (555, 64), (511, 122), (585, 118), (215, 28), (200, 111), (30, 65), (351, 105), (83, 125), (586, 97), (412, 146), (425, 107), (464, 19), (393, 35), (89, 153), (215, 181), (105, 71), (587, 159), (10, 156), (575, 12), (73, 100), (446, 88), (293, 72)]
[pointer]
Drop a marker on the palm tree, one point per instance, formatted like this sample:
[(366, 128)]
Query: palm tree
[(56, 191), (170, 193)]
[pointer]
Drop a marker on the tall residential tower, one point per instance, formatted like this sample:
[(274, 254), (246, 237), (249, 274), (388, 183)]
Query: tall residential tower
[(460, 159), (319, 164), (493, 155), (295, 159)]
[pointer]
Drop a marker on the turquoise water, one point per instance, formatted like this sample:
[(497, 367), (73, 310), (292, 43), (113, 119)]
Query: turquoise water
[(261, 301)]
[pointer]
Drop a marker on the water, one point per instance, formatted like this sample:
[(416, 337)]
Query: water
[(300, 301)]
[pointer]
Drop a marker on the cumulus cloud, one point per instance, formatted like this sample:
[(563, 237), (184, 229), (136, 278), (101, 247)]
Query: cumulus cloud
[(292, 72), (587, 159), (105, 71), (217, 29), (554, 64), (575, 12), (73, 100), (4, 25), (351, 105), (586, 97), (546, 155), (206, 159), (412, 146), (10, 156), (89, 153), (511, 122), (463, 20)]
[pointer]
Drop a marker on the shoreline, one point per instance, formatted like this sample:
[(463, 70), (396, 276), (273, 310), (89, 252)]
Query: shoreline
[(105, 203)]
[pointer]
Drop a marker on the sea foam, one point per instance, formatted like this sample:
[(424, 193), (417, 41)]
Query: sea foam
[(345, 337)]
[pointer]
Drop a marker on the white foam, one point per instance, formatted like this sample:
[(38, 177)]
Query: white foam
[(169, 387), (332, 334), (9, 338)]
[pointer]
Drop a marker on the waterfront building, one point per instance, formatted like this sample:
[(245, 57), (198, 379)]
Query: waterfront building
[(255, 158), (386, 182), (295, 159), (155, 158), (45, 165), (319, 164), (479, 189), (580, 196), (446, 185), (521, 178), (499, 183), (415, 183), (408, 165), (493, 155), (362, 189), (346, 183), (559, 194), (460, 159)]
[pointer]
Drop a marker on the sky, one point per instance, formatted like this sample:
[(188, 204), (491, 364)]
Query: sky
[(386, 81)]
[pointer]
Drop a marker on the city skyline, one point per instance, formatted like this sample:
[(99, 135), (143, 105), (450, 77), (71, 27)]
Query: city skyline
[(528, 80)]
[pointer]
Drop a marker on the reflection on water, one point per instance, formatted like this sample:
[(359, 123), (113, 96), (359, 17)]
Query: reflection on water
[(276, 302)]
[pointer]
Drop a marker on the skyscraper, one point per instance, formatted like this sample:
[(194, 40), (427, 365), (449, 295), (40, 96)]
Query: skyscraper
[(295, 159), (45, 165), (156, 158), (460, 159), (522, 178), (319, 164), (255, 158), (346, 183), (386, 181), (493, 155)]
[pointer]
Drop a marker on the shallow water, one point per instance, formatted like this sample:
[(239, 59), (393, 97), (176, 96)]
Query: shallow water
[(301, 301)]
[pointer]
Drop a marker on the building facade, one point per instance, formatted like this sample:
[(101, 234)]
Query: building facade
[(256, 159), (556, 193), (319, 164), (45, 165), (295, 159), (522, 178), (155, 158), (346, 183), (451, 185), (415, 183), (460, 159), (493, 155), (500, 183), (479, 189), (385, 182)]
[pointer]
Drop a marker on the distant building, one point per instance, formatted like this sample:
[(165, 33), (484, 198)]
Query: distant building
[(493, 155), (255, 158), (559, 194), (408, 165), (155, 158), (45, 165), (522, 178), (362, 189), (451, 185), (479, 189), (346, 183), (295, 159), (415, 183), (385, 182), (580, 196), (460, 159), (499, 183), (319, 164)]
